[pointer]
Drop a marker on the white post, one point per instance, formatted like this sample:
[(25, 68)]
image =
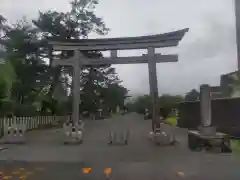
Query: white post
[(117, 109), (205, 103), (38, 120), (206, 127), (35, 122), (28, 122)]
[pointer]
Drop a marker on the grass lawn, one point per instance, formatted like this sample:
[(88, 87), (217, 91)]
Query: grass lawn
[(172, 121), (235, 146)]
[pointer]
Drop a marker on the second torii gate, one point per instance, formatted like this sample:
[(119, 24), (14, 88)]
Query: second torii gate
[(113, 44)]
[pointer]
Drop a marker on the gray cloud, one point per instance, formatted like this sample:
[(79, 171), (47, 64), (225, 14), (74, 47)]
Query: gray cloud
[(207, 51)]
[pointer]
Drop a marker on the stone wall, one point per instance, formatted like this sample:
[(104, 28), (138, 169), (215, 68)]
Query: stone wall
[(225, 115)]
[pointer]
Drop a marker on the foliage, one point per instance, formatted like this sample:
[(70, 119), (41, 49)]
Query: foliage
[(130, 106), (142, 103), (169, 101), (193, 95), (7, 78), (235, 146), (7, 107), (28, 67), (78, 23), (101, 88), (172, 121), (29, 85), (233, 89), (166, 102)]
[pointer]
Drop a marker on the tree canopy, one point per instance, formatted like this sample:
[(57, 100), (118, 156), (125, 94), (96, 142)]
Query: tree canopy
[(28, 81), (192, 95), (166, 102)]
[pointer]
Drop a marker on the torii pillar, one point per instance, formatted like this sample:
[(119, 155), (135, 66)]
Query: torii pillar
[(153, 86), (76, 86)]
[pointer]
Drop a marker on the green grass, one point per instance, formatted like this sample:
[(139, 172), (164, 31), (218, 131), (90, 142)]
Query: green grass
[(235, 146), (116, 115), (172, 121)]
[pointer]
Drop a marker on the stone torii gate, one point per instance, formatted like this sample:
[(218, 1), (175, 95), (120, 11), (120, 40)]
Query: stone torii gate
[(78, 60)]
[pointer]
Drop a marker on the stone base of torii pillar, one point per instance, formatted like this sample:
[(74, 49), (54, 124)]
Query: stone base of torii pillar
[(160, 137)]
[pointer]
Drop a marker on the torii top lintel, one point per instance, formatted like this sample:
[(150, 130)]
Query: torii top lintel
[(169, 39)]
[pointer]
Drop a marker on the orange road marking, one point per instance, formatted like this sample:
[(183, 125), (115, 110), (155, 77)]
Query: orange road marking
[(108, 171), (86, 170)]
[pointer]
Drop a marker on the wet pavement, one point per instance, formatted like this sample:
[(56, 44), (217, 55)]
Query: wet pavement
[(45, 157)]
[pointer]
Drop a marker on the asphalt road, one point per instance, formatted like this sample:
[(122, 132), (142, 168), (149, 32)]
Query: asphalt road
[(45, 157)]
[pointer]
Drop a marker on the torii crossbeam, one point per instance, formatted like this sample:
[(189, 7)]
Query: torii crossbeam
[(144, 42)]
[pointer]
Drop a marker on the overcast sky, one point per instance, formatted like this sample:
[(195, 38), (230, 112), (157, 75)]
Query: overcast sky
[(207, 51)]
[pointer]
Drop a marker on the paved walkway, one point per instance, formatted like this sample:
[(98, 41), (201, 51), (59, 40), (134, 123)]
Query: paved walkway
[(45, 156)]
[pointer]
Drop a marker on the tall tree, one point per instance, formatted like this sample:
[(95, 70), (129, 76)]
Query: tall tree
[(29, 68), (22, 68), (78, 23), (233, 88), (3, 27), (166, 102), (170, 101), (33, 82)]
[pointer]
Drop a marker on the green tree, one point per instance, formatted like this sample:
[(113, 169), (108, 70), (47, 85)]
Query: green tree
[(170, 101), (30, 83), (7, 74), (28, 67), (7, 78), (3, 28), (142, 103), (130, 106), (166, 102), (233, 88), (193, 95), (78, 23), (101, 88), (23, 69)]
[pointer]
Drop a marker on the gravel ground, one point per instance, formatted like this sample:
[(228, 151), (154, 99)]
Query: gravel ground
[(44, 156)]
